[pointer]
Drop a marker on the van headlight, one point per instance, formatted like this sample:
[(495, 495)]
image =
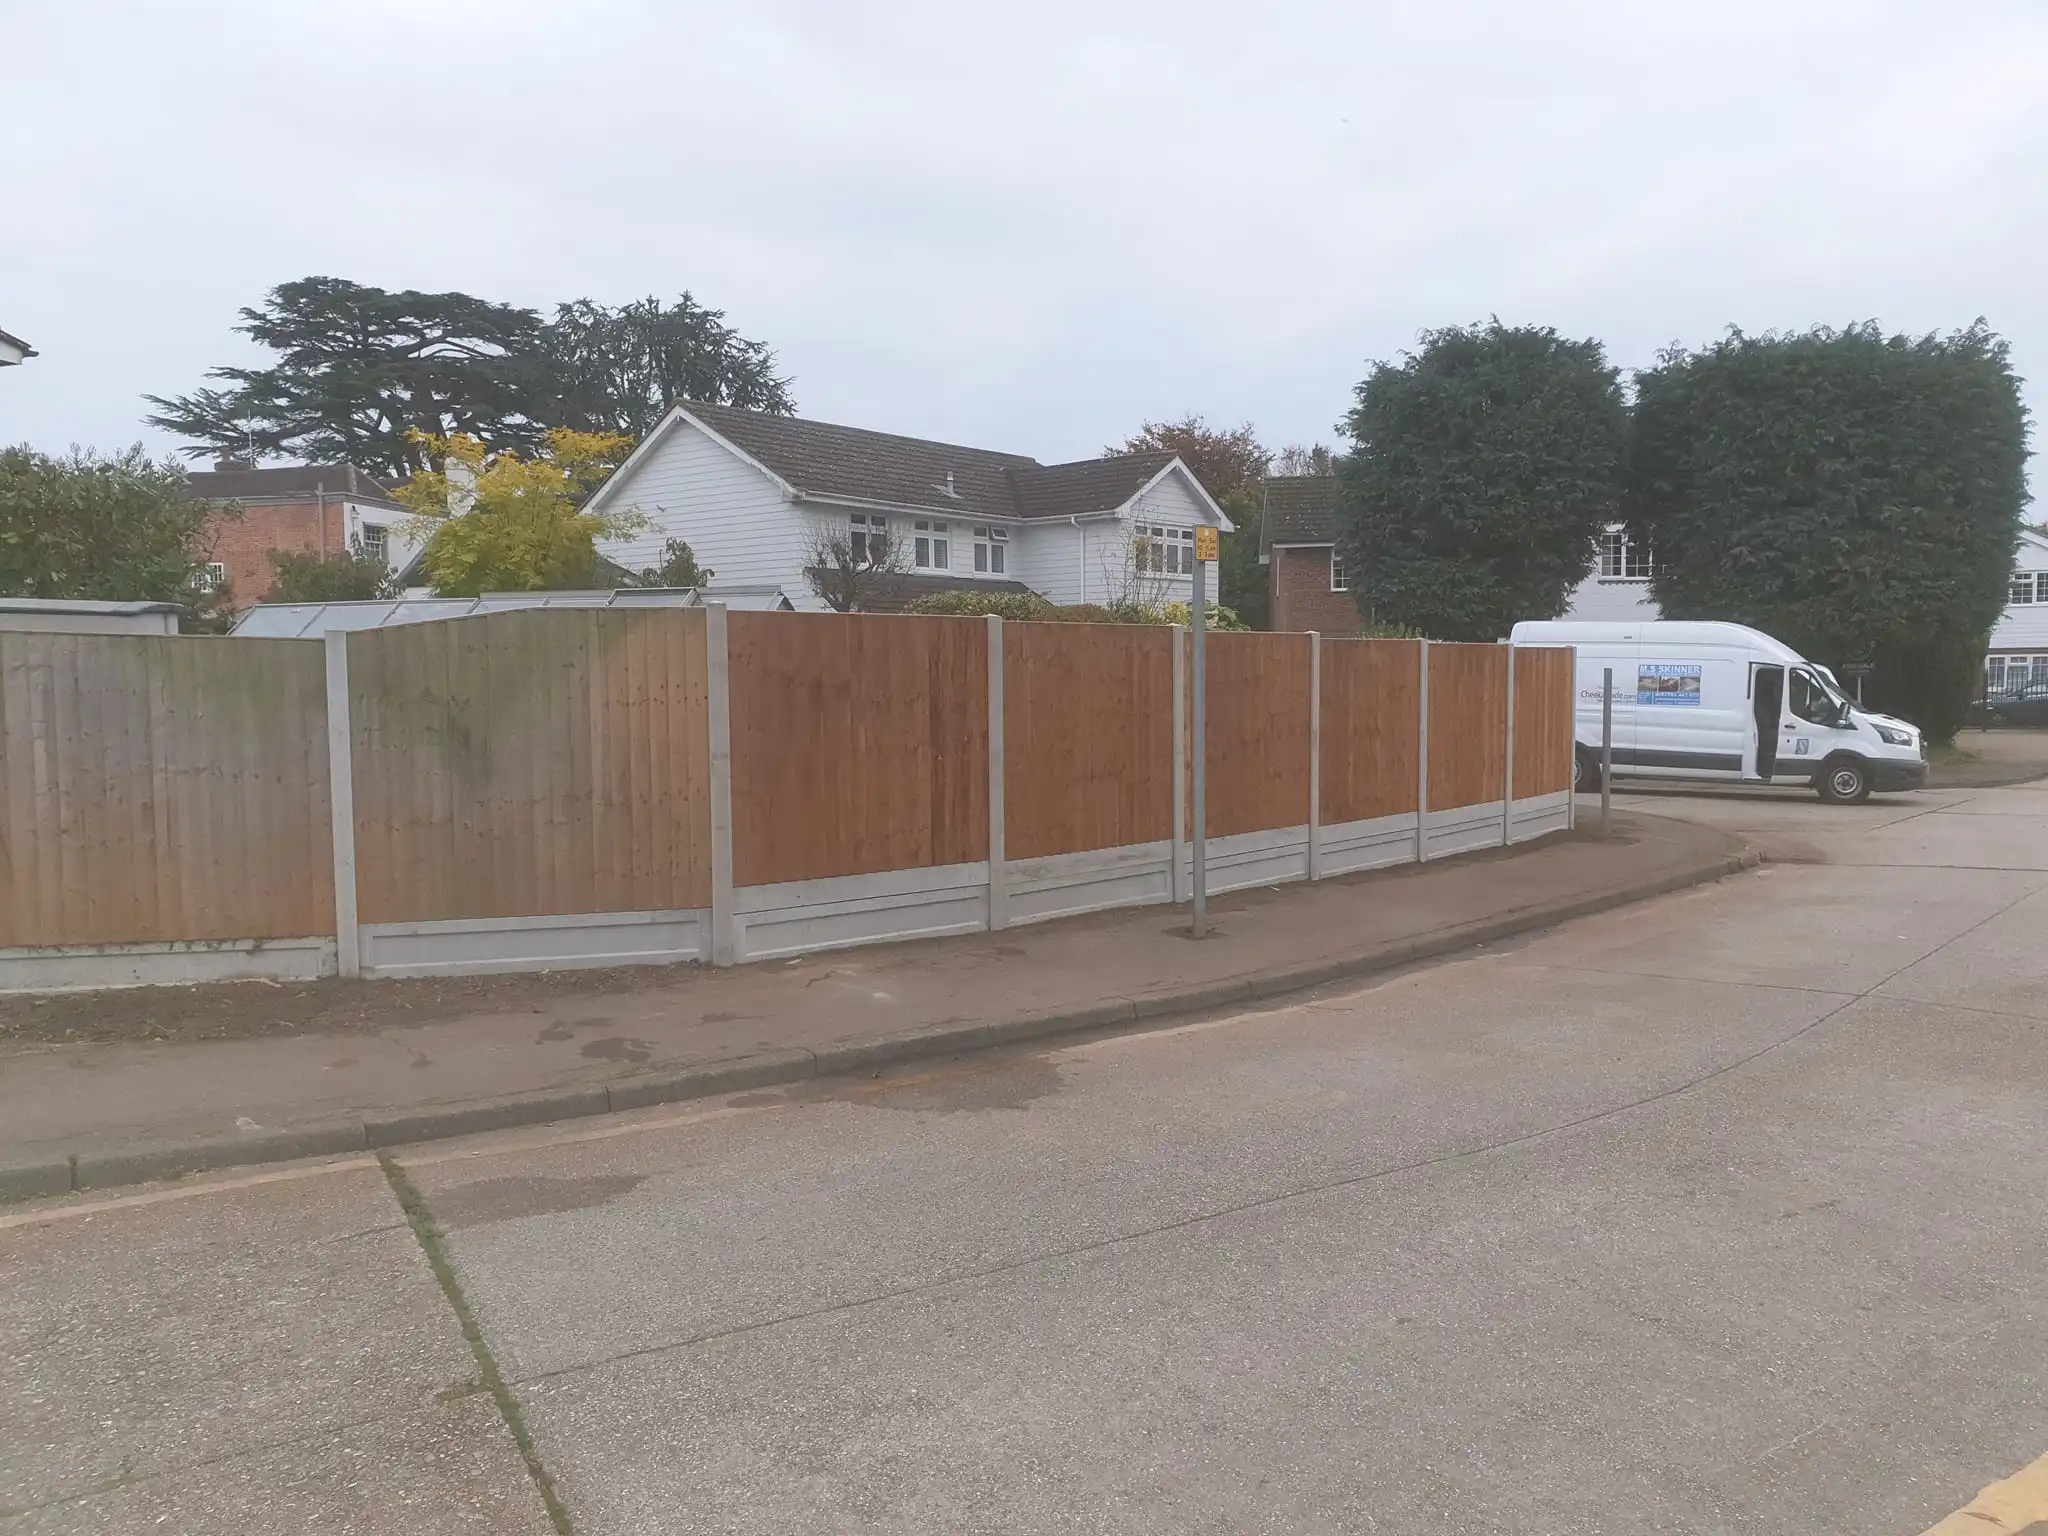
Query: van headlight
[(1894, 736)]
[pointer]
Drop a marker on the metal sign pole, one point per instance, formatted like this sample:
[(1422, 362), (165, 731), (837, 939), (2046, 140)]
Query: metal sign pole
[(1200, 746), (1607, 752)]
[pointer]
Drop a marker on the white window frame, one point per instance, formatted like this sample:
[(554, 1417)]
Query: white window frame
[(1340, 579), (931, 549), (2008, 671), (212, 576), (1620, 558), (2025, 588), (860, 526), (991, 551), (376, 541)]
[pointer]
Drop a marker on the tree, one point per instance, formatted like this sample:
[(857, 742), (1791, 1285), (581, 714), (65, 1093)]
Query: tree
[(1226, 461), (521, 531), (366, 377), (1241, 582), (349, 576), (1856, 495), (1483, 468), (678, 568), (619, 370), (848, 568), (1303, 459), (111, 527)]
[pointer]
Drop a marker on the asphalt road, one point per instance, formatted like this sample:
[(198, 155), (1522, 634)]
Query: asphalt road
[(1722, 1213)]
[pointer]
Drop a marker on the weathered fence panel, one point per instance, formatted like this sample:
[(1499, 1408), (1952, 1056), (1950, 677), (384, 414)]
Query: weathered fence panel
[(1468, 711), (162, 789), (1258, 732), (1371, 728), (531, 764)]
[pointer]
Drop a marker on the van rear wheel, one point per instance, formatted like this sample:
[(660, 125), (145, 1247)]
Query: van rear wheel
[(1844, 781), (1585, 771)]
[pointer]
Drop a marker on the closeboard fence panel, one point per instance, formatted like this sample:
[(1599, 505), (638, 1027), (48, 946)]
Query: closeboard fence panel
[(1371, 728), (1087, 737), (161, 788), (859, 744), (1258, 728), (1544, 707), (531, 764), (1468, 705)]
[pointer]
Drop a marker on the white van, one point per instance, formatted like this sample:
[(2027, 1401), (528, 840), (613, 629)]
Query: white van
[(1711, 701)]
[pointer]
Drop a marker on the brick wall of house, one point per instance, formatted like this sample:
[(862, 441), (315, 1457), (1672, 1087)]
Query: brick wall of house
[(1302, 598), (244, 544)]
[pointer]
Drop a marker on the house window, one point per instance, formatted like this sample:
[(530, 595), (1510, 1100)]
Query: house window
[(1621, 559), (991, 550), (212, 576), (2016, 674), (1340, 579), (930, 546), (376, 544), (2023, 590), (869, 541), (1166, 551)]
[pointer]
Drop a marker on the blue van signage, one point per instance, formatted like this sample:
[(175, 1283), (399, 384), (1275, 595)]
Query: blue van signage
[(1668, 683)]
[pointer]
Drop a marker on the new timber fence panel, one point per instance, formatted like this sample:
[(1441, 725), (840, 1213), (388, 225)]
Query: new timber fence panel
[(859, 745), (1467, 725), (1088, 732), (531, 764), (1544, 683), (1372, 694), (1258, 732), (161, 790)]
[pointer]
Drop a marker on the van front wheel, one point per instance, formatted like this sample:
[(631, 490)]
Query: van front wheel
[(1844, 781), (1585, 772)]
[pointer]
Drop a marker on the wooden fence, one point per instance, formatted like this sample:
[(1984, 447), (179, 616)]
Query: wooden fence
[(584, 787)]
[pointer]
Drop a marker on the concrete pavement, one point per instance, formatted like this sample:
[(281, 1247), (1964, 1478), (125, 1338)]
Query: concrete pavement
[(1716, 1214)]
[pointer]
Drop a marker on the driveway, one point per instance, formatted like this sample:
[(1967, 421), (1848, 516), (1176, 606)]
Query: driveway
[(1721, 1213)]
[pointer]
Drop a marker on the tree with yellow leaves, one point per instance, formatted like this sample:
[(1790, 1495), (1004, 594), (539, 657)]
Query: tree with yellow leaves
[(494, 522)]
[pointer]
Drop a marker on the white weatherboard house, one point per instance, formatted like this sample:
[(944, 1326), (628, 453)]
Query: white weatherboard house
[(2019, 641), (751, 493), (1619, 588)]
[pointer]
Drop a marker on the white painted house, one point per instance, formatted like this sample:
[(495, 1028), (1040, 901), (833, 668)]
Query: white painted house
[(2019, 641), (750, 493)]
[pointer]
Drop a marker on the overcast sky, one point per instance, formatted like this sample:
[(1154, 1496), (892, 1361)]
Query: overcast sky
[(1028, 227)]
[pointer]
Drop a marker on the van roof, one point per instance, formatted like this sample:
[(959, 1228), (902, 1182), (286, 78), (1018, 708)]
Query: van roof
[(1655, 631)]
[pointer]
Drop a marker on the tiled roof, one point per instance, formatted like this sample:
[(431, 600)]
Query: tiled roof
[(286, 482), (1300, 509), (824, 460)]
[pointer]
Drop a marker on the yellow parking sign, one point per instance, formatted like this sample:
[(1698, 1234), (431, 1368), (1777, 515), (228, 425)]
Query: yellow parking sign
[(1205, 543)]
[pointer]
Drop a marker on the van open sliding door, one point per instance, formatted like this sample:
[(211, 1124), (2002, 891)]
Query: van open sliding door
[(1767, 705)]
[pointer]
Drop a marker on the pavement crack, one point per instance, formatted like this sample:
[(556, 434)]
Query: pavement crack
[(428, 1231)]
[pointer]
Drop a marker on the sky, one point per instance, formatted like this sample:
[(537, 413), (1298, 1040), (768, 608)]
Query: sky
[(1023, 227)]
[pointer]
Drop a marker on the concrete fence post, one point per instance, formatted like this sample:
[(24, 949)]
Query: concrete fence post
[(341, 805), (718, 698), (1422, 757), (1507, 793), (1315, 756), (998, 883)]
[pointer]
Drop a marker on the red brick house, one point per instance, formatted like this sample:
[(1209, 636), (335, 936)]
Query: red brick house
[(1298, 547), (296, 509)]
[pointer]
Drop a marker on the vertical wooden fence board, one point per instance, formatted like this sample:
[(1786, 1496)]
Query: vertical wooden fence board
[(155, 790), (497, 774), (1467, 724), (1088, 737), (1372, 700), (1258, 732), (1545, 684), (859, 744)]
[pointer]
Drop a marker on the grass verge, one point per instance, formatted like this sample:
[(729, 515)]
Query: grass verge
[(428, 1232)]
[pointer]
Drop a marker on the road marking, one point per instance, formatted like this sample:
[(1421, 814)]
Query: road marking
[(2016, 1507)]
